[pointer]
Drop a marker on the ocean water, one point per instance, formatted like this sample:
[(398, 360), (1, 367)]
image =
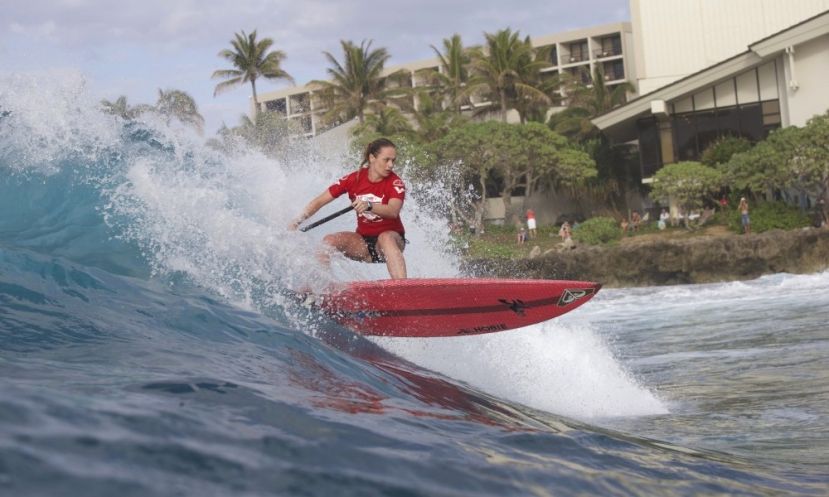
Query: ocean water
[(145, 348)]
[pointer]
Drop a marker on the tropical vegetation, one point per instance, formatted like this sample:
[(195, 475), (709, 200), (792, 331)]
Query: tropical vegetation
[(511, 156), (494, 121), (357, 83), (504, 73), (451, 82), (598, 231), (766, 216), (790, 158), (171, 105), (267, 132), (176, 104), (689, 184), (251, 59)]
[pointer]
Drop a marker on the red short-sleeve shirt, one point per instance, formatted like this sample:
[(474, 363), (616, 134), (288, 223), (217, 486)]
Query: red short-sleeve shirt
[(359, 187)]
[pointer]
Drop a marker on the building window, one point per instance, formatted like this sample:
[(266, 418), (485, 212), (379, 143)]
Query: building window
[(650, 155), (279, 106), (685, 137), (771, 113), (581, 74), (307, 124), (613, 70), (728, 120), (401, 79), (708, 131), (610, 46), (751, 122), (300, 103), (578, 51), (425, 77), (695, 131)]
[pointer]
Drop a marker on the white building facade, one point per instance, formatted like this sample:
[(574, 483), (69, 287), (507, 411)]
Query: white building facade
[(675, 38), (775, 81)]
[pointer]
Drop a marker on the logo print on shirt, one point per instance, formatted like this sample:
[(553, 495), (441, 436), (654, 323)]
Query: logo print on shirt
[(399, 186)]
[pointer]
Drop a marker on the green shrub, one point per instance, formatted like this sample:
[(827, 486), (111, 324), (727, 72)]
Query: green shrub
[(767, 216), (597, 231), (723, 149)]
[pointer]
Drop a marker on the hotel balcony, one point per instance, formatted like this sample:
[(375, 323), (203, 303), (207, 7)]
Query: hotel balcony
[(613, 70), (603, 53), (577, 57)]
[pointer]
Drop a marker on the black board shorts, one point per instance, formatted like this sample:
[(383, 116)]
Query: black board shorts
[(371, 244)]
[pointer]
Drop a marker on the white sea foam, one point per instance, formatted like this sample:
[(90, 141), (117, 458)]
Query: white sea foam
[(51, 116), (225, 222), (564, 368)]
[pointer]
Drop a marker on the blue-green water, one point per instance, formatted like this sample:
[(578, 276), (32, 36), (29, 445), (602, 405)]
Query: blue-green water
[(144, 349)]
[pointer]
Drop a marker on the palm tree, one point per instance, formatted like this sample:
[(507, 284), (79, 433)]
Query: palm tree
[(176, 104), (118, 108), (599, 98), (503, 69), (356, 83), (434, 122), (540, 90), (454, 75), (268, 132), (585, 103), (614, 162), (251, 59), (387, 121)]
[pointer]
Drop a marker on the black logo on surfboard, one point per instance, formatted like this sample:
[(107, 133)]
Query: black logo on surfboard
[(517, 306), (571, 295), (489, 328)]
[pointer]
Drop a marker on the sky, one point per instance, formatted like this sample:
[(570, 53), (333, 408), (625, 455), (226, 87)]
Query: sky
[(134, 48)]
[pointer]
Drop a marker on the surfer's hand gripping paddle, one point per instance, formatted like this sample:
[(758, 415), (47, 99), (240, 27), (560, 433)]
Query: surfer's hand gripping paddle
[(326, 218)]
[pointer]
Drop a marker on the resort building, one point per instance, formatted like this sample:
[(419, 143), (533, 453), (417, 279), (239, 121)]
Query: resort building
[(700, 69), (578, 53), (710, 69)]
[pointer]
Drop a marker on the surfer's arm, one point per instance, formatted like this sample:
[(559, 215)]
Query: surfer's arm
[(386, 211), (313, 206)]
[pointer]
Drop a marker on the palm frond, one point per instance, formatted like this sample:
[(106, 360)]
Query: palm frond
[(251, 59)]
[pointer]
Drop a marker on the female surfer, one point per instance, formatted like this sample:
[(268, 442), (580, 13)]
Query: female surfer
[(377, 195)]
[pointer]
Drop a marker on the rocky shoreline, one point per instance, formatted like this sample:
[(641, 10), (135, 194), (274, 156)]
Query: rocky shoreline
[(659, 261)]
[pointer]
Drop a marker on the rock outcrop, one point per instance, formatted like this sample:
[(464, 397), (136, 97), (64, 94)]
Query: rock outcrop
[(703, 259)]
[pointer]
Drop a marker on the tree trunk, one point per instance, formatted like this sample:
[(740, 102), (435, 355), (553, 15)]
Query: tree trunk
[(255, 100), (506, 197), (479, 217), (510, 183)]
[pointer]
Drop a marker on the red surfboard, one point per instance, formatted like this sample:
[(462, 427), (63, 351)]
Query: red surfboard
[(451, 307)]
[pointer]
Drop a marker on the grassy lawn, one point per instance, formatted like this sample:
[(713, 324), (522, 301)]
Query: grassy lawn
[(501, 242)]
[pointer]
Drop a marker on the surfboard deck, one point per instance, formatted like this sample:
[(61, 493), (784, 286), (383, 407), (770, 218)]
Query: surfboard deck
[(446, 307)]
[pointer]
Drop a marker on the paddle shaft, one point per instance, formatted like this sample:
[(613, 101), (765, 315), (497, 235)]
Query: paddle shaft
[(326, 218)]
